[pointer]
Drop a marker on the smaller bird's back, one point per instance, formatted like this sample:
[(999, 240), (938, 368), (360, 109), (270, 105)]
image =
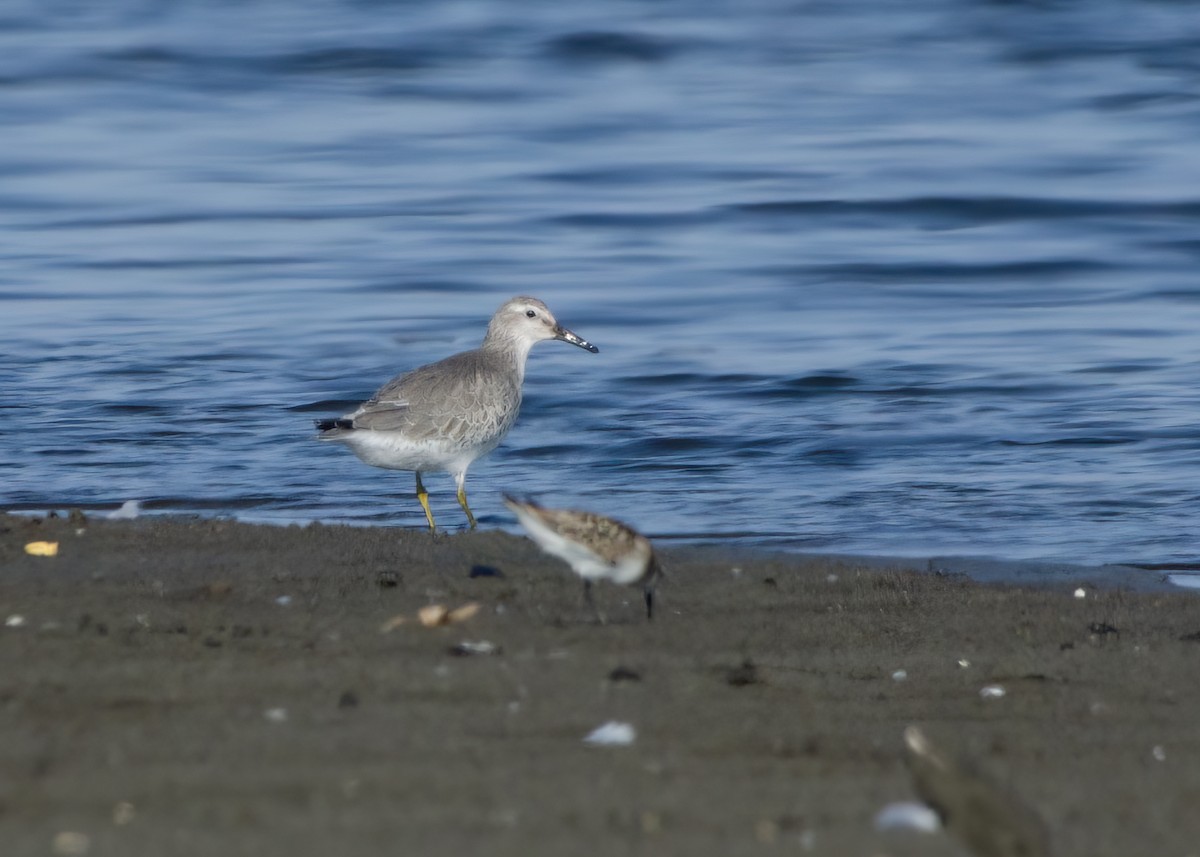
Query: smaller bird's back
[(594, 545)]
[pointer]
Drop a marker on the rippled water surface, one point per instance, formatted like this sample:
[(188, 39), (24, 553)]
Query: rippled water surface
[(887, 278)]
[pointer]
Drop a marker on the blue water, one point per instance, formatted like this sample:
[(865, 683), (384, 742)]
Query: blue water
[(890, 278)]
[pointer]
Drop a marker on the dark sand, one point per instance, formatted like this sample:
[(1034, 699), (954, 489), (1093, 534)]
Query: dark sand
[(134, 700)]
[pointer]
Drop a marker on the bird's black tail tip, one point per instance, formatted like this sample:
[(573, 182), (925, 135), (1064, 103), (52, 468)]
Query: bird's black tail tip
[(329, 425)]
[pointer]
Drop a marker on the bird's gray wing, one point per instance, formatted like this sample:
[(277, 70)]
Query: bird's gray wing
[(381, 416), (456, 398)]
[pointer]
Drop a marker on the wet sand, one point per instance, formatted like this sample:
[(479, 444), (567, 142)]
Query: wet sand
[(207, 687)]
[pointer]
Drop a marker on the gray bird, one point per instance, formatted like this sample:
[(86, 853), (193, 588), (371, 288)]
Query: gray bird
[(443, 416), (596, 547)]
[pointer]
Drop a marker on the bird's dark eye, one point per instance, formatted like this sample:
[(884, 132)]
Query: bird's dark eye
[(530, 314)]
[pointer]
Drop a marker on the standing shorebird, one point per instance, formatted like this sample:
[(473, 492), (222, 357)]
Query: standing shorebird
[(596, 547), (443, 416)]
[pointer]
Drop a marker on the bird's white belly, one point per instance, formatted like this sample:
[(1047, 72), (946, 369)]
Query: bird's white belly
[(589, 565), (392, 450)]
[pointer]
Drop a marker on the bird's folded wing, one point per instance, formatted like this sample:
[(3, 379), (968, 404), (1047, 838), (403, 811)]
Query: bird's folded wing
[(390, 415)]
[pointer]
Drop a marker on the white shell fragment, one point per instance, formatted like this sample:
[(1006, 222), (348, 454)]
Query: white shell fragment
[(899, 675), (611, 734), (276, 715), (1081, 592), (907, 815), (392, 624), (435, 615), (432, 615), (15, 621), (992, 691), (463, 613)]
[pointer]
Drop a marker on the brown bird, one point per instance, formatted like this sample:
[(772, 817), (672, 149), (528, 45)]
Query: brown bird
[(596, 547)]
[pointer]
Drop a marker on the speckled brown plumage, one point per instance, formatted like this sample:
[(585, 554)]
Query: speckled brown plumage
[(596, 547)]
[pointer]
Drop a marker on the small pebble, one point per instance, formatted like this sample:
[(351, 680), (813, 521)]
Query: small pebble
[(283, 600), (387, 580), (964, 663), (992, 691), (899, 675), (276, 715), (14, 621), (1081, 593), (1159, 754), (622, 673)]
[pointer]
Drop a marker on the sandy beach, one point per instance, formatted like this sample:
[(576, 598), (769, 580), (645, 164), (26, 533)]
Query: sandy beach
[(208, 687)]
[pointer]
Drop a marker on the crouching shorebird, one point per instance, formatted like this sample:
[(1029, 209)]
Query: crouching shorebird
[(596, 547), (443, 416)]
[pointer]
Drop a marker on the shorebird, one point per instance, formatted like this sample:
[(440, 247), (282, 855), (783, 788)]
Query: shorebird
[(443, 416), (990, 819), (596, 547)]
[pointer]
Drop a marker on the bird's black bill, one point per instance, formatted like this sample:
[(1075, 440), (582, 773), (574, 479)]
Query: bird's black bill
[(565, 335)]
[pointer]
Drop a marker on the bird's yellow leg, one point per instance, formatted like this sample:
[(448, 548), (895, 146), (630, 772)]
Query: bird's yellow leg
[(423, 498), (462, 501)]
